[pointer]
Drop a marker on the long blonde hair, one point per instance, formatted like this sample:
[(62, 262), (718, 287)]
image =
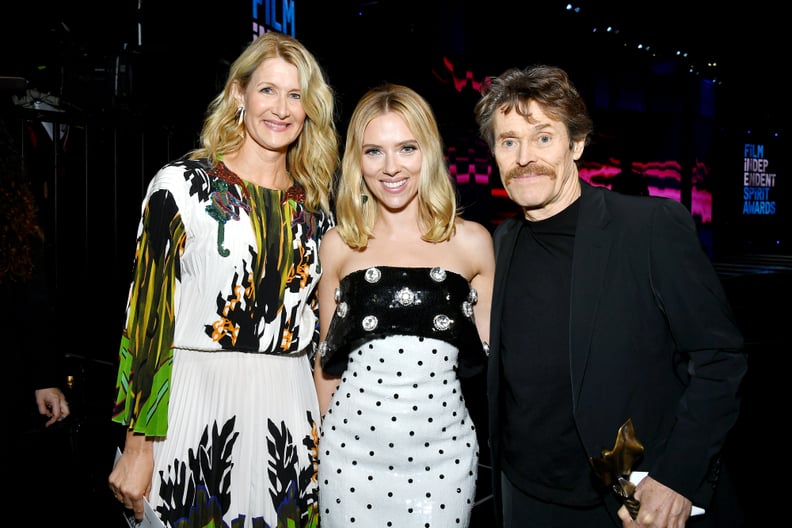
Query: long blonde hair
[(356, 209), (312, 159)]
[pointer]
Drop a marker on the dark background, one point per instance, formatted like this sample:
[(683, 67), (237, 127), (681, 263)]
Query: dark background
[(160, 63), (131, 80), (180, 50)]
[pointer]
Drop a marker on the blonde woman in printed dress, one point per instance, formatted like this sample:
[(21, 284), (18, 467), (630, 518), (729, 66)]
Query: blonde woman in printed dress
[(404, 303), (215, 385)]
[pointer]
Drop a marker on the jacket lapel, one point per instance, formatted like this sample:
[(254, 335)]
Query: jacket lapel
[(591, 251), (505, 240)]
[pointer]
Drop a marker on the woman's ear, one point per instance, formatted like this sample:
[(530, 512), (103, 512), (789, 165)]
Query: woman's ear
[(236, 92)]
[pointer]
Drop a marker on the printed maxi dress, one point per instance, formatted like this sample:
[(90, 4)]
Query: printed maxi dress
[(214, 357)]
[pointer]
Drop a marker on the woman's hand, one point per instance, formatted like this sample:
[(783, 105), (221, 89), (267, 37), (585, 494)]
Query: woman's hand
[(130, 480)]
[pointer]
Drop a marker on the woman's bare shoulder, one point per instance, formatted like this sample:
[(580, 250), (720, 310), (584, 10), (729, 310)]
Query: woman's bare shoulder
[(332, 238), (331, 244), (470, 231)]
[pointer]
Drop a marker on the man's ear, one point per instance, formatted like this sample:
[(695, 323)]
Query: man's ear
[(577, 148)]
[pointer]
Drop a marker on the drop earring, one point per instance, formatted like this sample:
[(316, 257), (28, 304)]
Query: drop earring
[(240, 115)]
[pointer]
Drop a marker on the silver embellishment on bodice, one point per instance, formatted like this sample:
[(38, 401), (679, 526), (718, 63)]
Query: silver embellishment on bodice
[(369, 323), (376, 302), (473, 296), (373, 275), (467, 306), (442, 322), (438, 274), (405, 296), (467, 309)]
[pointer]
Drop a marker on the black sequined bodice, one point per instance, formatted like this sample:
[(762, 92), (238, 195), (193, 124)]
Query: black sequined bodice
[(382, 301)]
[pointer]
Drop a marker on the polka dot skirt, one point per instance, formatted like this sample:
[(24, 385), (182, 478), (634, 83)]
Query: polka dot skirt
[(398, 447)]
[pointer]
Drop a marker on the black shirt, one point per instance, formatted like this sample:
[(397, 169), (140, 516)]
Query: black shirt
[(542, 452)]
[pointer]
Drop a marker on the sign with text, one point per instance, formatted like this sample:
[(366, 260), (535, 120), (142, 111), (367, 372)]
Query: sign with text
[(765, 202), (759, 181), (273, 15)]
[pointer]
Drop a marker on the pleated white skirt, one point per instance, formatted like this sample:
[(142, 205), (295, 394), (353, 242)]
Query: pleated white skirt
[(242, 437)]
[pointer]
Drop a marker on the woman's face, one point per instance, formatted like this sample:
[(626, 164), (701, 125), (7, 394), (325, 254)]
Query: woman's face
[(391, 161), (274, 113)]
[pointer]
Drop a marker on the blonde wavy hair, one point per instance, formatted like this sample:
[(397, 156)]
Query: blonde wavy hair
[(356, 209), (312, 159)]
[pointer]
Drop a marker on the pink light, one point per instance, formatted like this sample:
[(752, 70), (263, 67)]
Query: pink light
[(459, 82)]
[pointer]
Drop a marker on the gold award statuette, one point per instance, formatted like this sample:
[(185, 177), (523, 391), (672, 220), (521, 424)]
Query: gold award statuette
[(615, 466)]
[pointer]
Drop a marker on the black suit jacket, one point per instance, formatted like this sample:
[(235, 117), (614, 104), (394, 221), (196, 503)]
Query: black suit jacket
[(652, 338)]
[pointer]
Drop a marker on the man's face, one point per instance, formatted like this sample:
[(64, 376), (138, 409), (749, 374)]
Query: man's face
[(536, 163)]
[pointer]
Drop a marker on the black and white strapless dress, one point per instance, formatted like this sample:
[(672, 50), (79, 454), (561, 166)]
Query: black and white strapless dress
[(398, 447)]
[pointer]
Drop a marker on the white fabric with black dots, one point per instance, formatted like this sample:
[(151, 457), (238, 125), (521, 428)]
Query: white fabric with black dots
[(398, 448)]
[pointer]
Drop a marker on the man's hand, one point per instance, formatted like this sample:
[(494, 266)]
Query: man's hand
[(52, 403), (661, 507)]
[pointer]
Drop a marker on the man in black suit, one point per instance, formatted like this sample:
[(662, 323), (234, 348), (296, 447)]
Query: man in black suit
[(605, 309)]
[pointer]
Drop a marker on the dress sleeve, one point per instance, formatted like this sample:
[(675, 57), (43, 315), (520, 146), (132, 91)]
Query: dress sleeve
[(146, 352), (325, 222)]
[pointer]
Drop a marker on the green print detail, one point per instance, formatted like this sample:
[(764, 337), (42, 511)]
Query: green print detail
[(224, 207), (272, 226), (196, 492), (146, 352)]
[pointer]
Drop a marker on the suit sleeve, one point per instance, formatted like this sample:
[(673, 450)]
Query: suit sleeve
[(710, 345)]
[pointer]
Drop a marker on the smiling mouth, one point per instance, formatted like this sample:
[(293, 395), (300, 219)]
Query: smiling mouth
[(523, 177), (279, 126), (528, 175), (394, 184)]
